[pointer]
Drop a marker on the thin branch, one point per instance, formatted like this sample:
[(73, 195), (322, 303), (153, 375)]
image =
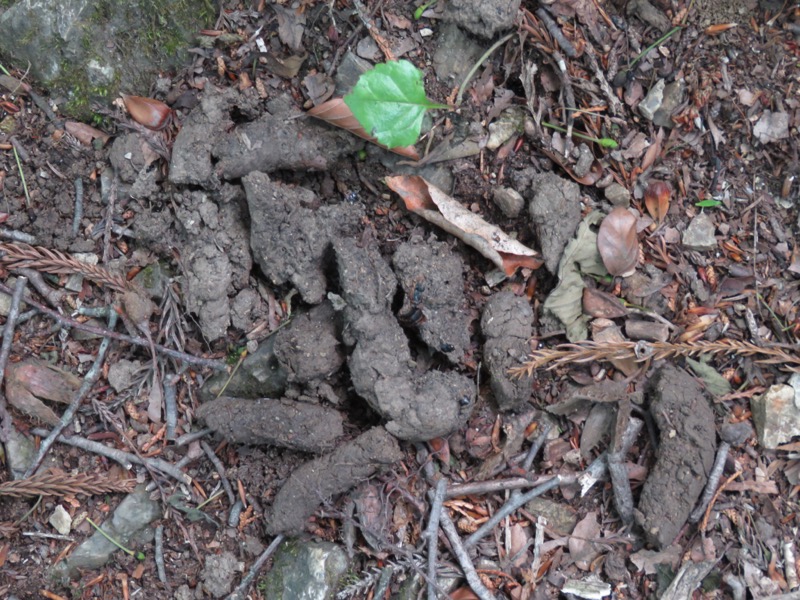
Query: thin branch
[(124, 458), (211, 363), (241, 590), (88, 383), (5, 350), (464, 560), (220, 471), (432, 534)]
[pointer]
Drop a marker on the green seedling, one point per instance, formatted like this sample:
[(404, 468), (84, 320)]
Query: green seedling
[(389, 102), (137, 555), (708, 203), (422, 8), (604, 142)]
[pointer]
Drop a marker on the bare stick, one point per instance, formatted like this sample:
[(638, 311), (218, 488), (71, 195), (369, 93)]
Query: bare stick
[(52, 295), (5, 350), (537, 445), (188, 438), (464, 560), (713, 482), (509, 507), (162, 572), (623, 498), (78, 213), (170, 405), (556, 33), (17, 236), (88, 383), (491, 487), (220, 470), (211, 363), (432, 534), (124, 458), (241, 590)]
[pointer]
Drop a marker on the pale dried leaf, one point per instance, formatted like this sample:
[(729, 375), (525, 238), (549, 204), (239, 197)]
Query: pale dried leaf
[(617, 242), (84, 133), (581, 544), (597, 303), (291, 25), (435, 206)]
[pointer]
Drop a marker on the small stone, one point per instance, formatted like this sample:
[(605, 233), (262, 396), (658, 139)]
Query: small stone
[(776, 415), (219, 572), (368, 49), (700, 234), (585, 161), (672, 97), (618, 195), (652, 102), (511, 122), (509, 201), (426, 32), (61, 520)]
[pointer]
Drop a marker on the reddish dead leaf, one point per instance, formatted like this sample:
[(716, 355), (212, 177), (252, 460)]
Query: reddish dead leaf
[(656, 199), (148, 112), (441, 449), (84, 133), (435, 206), (598, 304), (653, 152), (463, 593), (4, 554), (337, 113), (617, 242), (719, 28), (32, 379)]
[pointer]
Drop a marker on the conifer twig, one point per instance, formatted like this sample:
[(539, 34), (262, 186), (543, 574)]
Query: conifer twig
[(57, 483)]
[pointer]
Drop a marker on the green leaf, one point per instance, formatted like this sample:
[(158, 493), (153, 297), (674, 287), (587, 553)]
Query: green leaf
[(389, 102), (708, 203)]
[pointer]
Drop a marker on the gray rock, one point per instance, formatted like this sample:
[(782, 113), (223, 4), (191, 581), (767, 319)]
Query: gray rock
[(122, 372), (652, 102), (305, 570), (61, 520), (618, 195), (20, 452), (128, 526), (776, 414), (89, 51), (482, 17), (351, 68), (555, 213), (509, 201), (455, 54), (218, 573), (208, 277), (699, 235), (672, 98), (506, 323)]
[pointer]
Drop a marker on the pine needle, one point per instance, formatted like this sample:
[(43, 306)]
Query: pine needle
[(588, 351), (23, 256), (58, 483)]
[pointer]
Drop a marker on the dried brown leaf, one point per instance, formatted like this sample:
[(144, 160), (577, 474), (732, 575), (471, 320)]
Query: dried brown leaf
[(617, 242), (32, 379), (84, 133), (653, 152), (435, 206), (656, 199), (148, 112), (599, 304), (337, 113)]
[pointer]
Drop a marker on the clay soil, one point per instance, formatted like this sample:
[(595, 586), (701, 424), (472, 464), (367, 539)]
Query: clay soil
[(744, 290)]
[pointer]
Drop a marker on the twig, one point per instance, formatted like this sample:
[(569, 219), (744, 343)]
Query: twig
[(537, 445), (599, 466), (241, 590), (211, 363), (5, 350), (713, 482), (490, 487), (614, 105), (620, 484), (88, 382), (373, 31), (460, 550), (188, 438), (170, 405), (555, 31), (124, 458), (790, 564), (477, 65), (112, 203), (508, 508), (57, 483), (17, 236), (78, 213), (52, 295), (432, 534), (159, 557), (220, 470)]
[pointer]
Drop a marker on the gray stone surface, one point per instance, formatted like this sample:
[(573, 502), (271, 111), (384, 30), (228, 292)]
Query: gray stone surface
[(699, 235), (482, 17), (219, 572), (305, 571), (509, 201), (89, 51), (455, 54), (776, 414), (672, 98), (555, 211), (652, 102), (128, 525), (20, 452), (618, 195)]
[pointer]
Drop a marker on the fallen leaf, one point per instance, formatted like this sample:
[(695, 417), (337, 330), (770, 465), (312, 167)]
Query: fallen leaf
[(599, 304), (617, 242), (581, 547), (84, 133), (291, 25), (287, 67), (435, 206), (580, 257), (337, 113), (148, 112), (772, 126), (654, 151), (656, 199), (32, 379), (605, 331)]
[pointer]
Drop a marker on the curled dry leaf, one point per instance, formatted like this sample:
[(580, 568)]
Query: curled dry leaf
[(84, 133), (599, 304), (435, 206), (656, 199), (148, 112), (617, 242), (337, 113)]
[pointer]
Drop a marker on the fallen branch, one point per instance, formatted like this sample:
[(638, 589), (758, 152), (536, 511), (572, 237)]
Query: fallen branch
[(460, 550), (241, 590), (5, 350)]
